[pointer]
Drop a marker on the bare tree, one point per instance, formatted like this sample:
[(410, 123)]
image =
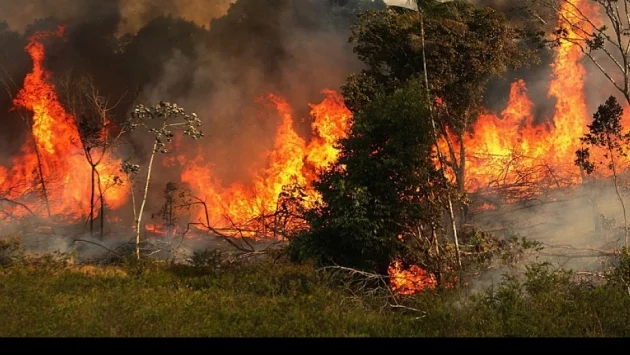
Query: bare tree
[(91, 112), (600, 28), (160, 120)]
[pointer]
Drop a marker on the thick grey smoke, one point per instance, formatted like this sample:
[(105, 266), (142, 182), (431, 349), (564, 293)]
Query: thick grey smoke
[(293, 50)]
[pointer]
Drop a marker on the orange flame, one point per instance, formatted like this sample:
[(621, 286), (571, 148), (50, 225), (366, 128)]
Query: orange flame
[(292, 161), (55, 152), (499, 149), (410, 281)]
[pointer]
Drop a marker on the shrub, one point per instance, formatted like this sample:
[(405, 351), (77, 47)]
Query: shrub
[(11, 251)]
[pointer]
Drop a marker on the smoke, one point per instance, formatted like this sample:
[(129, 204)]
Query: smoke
[(293, 49), (19, 14), (573, 225), (136, 13), (133, 14), (217, 58)]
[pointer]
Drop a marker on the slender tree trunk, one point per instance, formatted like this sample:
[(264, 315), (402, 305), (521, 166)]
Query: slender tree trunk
[(102, 200), (41, 177), (92, 195), (171, 224), (144, 200), (623, 205), (437, 143), (437, 255), (133, 200)]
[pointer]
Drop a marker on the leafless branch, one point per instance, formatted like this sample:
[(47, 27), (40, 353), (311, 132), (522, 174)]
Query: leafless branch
[(97, 244)]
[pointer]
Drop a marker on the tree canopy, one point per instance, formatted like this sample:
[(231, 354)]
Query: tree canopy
[(465, 46), (384, 179)]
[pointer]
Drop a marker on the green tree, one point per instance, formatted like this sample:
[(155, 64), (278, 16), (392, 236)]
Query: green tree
[(466, 45), (383, 182), (605, 133)]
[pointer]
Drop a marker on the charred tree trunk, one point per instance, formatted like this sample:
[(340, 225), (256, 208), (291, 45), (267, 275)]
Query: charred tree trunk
[(592, 201), (102, 205), (436, 243), (623, 205), (92, 202), (170, 220), (41, 178)]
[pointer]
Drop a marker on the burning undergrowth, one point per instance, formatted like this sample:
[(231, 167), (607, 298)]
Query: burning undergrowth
[(250, 76)]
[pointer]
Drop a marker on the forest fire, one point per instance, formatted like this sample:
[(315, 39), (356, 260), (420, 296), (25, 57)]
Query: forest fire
[(512, 149), (291, 162), (507, 149), (52, 166)]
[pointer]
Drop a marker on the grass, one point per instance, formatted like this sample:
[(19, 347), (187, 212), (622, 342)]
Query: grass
[(264, 300), (286, 300)]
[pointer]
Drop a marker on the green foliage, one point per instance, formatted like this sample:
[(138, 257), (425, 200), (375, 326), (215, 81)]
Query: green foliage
[(209, 258), (550, 303), (466, 45), (281, 299), (161, 120), (605, 132), (619, 274), (384, 179)]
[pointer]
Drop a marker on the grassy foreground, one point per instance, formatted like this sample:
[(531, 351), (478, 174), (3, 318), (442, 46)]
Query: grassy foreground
[(286, 300)]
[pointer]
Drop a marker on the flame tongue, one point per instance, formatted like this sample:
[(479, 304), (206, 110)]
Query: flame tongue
[(292, 161), (410, 281), (57, 154), (512, 149)]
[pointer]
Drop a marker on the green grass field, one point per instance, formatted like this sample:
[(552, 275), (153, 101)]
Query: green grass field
[(285, 300)]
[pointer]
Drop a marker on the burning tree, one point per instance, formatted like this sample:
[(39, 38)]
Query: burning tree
[(465, 46), (167, 212), (596, 27), (383, 182), (606, 133), (91, 113), (161, 121), (52, 157)]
